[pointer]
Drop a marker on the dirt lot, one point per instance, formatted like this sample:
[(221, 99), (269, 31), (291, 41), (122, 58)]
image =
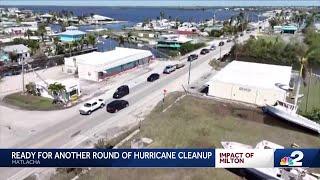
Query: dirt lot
[(198, 122)]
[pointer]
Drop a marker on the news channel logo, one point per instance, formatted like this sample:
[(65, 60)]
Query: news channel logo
[(294, 159)]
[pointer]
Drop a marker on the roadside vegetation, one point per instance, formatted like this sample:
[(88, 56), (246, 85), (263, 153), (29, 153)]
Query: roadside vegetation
[(270, 51), (31, 102)]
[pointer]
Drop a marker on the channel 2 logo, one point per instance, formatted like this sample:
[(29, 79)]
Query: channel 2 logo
[(294, 159)]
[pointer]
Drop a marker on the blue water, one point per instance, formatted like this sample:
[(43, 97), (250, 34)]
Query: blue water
[(138, 14)]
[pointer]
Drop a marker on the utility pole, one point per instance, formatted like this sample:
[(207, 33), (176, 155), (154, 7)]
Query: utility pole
[(189, 72), (22, 74)]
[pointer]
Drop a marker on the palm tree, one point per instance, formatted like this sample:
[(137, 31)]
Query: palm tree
[(42, 31), (29, 33), (81, 43), (57, 91), (56, 42), (91, 39), (75, 44)]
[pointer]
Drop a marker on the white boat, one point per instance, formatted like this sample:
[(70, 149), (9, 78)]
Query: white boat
[(288, 111), (271, 173)]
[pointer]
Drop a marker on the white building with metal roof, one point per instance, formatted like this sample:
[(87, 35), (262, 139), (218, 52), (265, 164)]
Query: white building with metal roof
[(96, 66), (252, 83)]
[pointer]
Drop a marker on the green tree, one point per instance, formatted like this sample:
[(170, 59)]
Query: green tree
[(57, 90), (91, 40), (33, 45), (42, 31), (29, 33)]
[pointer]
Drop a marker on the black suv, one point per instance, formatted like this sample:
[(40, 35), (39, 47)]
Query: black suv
[(221, 43), (153, 77), (192, 57), (117, 105), (121, 91), (204, 51)]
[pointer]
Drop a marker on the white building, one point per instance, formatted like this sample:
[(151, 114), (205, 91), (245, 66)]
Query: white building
[(252, 83), (96, 66), (22, 51), (72, 87)]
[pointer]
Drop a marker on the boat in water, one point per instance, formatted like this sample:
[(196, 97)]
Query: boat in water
[(271, 173), (288, 111)]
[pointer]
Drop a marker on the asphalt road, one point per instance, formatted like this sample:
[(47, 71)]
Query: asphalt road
[(62, 133)]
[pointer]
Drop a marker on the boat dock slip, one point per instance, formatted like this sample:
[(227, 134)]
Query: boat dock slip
[(292, 117)]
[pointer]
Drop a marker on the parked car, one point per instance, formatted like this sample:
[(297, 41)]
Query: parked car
[(180, 65), (241, 34), (229, 40), (116, 106), (169, 69), (153, 77), (213, 47), (121, 91), (221, 43), (91, 106), (204, 51), (193, 57)]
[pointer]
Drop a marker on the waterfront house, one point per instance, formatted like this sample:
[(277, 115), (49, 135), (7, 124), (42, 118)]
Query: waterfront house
[(71, 35), (173, 41), (21, 51)]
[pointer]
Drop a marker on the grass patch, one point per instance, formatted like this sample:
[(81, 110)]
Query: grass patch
[(200, 123), (307, 104), (31, 102)]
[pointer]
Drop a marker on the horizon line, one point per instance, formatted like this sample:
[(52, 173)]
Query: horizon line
[(166, 3)]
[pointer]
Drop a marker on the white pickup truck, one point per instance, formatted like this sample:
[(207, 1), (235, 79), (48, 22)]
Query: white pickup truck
[(92, 105)]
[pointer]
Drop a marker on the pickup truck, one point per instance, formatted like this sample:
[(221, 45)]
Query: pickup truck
[(92, 105)]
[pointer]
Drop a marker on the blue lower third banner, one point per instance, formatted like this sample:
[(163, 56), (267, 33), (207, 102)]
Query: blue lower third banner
[(107, 158), (297, 158)]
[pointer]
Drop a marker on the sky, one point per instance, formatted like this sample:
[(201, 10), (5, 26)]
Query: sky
[(189, 3)]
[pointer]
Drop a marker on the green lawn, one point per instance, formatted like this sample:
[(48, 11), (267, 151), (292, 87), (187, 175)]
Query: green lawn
[(200, 123), (30, 102), (312, 100)]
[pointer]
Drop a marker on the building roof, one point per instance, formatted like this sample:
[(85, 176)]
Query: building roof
[(72, 33), (254, 75), (19, 48), (113, 58)]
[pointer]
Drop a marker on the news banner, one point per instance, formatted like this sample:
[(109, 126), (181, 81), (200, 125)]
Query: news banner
[(215, 158)]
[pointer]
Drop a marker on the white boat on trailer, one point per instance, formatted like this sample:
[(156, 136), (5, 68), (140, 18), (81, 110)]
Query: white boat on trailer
[(271, 173)]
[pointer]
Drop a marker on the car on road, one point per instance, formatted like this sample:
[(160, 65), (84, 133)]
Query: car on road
[(193, 57), (180, 65), (213, 47), (204, 51), (116, 106), (169, 69), (229, 40), (121, 92), (221, 43), (92, 105), (241, 34), (153, 77)]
